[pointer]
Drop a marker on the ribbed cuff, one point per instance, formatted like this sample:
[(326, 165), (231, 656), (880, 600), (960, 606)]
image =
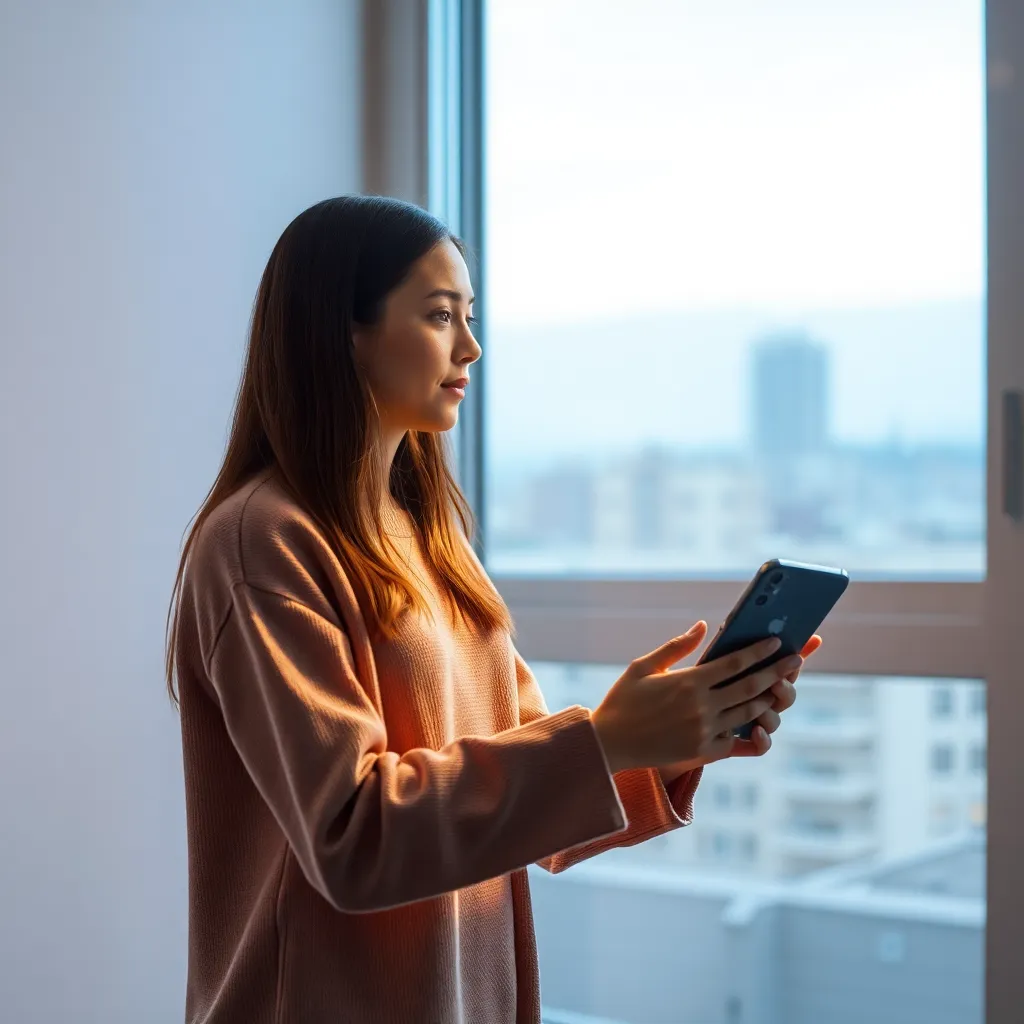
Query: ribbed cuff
[(574, 798), (651, 810)]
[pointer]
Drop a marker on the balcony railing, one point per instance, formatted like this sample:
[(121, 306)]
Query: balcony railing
[(853, 787), (549, 1016), (858, 732), (825, 845)]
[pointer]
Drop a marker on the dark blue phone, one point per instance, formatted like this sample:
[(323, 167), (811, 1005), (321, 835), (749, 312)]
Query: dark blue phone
[(786, 599)]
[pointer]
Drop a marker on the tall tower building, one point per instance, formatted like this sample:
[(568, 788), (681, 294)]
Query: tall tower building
[(789, 396)]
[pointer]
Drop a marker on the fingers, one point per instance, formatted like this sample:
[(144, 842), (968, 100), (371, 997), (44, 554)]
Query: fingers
[(751, 686), (811, 646), (719, 748), (808, 649), (751, 711), (767, 722), (785, 695), (721, 669), (665, 656), (759, 743)]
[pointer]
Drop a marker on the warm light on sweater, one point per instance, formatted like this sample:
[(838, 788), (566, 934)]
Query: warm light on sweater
[(360, 814)]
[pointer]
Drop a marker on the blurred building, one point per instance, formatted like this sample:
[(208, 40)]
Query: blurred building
[(897, 942), (792, 492), (659, 508), (862, 769), (790, 396), (562, 505)]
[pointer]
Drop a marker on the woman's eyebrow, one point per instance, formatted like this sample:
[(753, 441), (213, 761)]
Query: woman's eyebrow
[(448, 293)]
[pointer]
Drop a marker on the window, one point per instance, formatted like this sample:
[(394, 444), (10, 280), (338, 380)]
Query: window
[(723, 796), (978, 759), (942, 759), (613, 517), (694, 310), (978, 701), (750, 797), (721, 844), (942, 702)]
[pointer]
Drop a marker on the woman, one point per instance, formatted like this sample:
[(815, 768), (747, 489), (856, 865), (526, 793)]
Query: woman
[(369, 764)]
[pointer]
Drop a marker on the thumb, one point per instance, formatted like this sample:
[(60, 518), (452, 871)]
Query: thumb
[(665, 656)]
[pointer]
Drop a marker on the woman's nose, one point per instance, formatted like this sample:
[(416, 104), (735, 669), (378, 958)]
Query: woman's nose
[(471, 350)]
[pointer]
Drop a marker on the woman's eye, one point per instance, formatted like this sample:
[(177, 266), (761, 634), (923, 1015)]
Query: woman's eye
[(446, 316)]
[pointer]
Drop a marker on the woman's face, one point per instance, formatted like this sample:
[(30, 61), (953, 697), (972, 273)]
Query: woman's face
[(422, 346)]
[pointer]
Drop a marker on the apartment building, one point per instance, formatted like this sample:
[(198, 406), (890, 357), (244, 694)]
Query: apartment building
[(863, 769)]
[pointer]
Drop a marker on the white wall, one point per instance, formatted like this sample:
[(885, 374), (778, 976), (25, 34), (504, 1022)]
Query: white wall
[(150, 154)]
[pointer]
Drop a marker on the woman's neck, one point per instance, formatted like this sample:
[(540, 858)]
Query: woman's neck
[(389, 440)]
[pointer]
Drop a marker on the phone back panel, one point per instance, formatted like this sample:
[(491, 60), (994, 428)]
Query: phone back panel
[(786, 599)]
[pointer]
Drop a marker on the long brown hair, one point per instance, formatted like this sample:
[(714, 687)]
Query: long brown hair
[(304, 410)]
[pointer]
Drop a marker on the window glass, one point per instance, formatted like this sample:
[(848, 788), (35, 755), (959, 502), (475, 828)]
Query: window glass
[(868, 836), (735, 286)]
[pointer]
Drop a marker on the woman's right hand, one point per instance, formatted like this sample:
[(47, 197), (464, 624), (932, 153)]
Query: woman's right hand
[(652, 717)]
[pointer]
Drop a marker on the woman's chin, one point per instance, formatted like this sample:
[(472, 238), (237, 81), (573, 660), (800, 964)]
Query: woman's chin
[(440, 423)]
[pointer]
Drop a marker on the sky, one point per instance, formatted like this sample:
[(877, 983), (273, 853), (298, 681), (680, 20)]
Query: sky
[(786, 164)]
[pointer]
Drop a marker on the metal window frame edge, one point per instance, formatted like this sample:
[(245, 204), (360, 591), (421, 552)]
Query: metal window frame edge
[(900, 628), (455, 188)]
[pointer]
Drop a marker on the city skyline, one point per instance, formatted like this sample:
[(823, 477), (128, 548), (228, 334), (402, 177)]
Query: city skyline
[(786, 485), (683, 380)]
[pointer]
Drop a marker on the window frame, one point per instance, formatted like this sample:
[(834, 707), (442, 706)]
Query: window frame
[(455, 192)]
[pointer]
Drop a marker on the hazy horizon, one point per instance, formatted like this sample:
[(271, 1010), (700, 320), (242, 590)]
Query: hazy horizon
[(914, 371)]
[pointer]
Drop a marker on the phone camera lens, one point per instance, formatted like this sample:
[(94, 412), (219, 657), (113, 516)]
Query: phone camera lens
[(775, 579), (761, 599)]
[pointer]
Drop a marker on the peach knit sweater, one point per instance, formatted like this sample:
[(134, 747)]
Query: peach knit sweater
[(360, 813)]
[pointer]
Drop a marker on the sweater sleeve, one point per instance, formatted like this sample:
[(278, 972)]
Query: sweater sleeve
[(651, 808), (372, 829)]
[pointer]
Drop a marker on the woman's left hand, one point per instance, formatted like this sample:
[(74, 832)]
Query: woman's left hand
[(760, 741)]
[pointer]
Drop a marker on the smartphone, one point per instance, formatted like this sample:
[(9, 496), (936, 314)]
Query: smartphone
[(786, 599)]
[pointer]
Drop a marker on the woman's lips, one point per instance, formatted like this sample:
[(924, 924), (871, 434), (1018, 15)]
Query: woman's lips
[(457, 387)]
